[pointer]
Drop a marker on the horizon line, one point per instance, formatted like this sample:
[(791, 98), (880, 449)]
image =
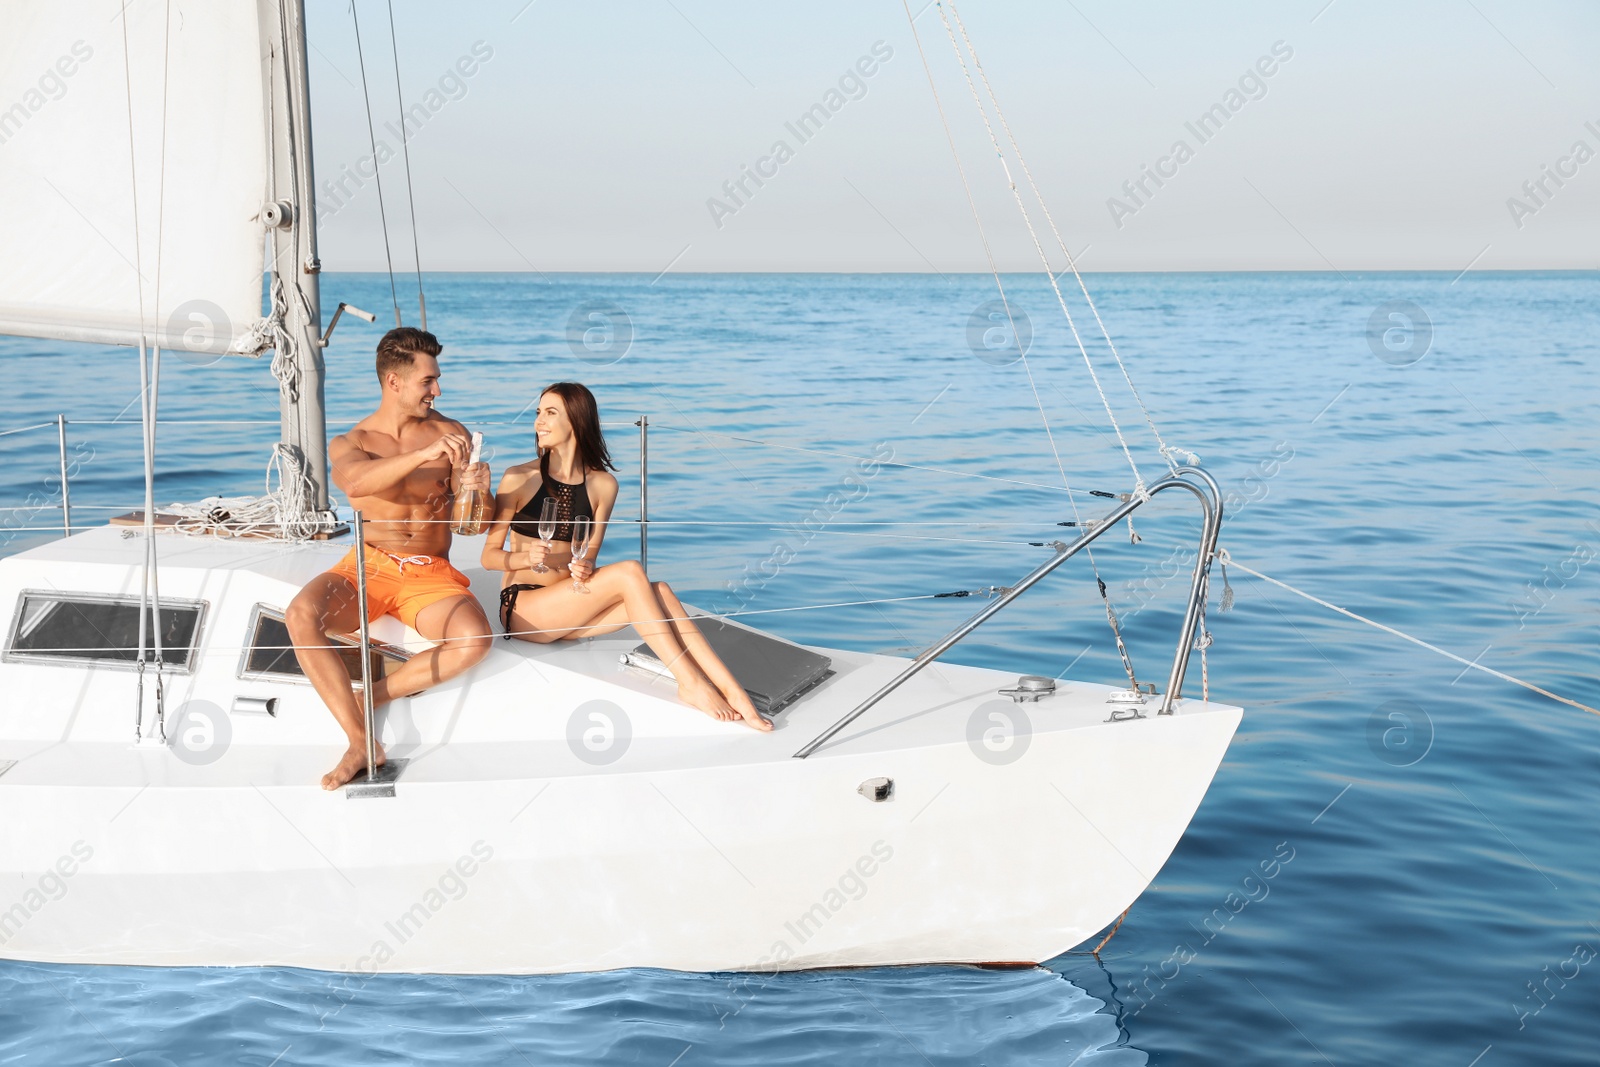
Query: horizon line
[(967, 273)]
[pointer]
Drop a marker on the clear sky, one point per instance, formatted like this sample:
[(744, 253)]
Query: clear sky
[(600, 135)]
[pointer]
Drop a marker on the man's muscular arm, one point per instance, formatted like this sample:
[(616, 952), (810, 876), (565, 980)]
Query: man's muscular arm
[(359, 473)]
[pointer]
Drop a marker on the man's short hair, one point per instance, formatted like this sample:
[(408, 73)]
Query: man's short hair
[(400, 345)]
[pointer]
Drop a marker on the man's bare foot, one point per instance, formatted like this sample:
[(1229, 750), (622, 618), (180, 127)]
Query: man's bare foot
[(353, 763), (740, 700), (702, 695)]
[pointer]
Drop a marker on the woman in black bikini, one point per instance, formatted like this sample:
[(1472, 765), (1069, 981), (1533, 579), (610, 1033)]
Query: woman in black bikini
[(542, 606)]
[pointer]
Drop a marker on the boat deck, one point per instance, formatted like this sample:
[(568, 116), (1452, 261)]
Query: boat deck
[(526, 712)]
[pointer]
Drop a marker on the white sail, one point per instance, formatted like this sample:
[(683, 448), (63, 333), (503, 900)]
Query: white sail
[(190, 91)]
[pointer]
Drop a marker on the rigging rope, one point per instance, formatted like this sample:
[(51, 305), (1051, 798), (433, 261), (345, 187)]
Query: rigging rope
[(146, 576), (153, 562), (987, 251), (405, 152), (133, 174), (161, 190), (1139, 486), (377, 171), (1111, 615), (149, 529), (150, 407), (1166, 452)]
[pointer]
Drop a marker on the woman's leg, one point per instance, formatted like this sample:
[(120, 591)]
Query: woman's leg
[(619, 595), (706, 657)]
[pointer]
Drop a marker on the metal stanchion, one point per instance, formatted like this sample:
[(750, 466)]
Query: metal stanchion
[(66, 499), (379, 781), (366, 646), (644, 491)]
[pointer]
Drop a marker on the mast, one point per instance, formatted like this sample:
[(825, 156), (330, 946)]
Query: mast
[(292, 221)]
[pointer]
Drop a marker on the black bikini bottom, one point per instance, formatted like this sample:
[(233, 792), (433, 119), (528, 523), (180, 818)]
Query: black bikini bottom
[(508, 604)]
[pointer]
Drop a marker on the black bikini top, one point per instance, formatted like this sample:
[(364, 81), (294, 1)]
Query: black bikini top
[(570, 500)]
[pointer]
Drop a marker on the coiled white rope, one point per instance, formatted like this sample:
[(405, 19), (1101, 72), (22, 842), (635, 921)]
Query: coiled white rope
[(284, 513)]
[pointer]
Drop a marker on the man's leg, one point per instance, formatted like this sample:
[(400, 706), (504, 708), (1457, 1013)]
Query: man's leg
[(327, 605), (459, 624)]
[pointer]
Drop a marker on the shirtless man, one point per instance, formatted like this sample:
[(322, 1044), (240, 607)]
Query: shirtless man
[(401, 467)]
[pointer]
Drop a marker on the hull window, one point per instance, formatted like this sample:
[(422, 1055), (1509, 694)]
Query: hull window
[(269, 653)]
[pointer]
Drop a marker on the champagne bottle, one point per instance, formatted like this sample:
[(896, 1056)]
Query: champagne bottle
[(473, 506)]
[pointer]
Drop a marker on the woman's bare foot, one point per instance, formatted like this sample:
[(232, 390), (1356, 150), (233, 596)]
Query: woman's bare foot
[(353, 763), (700, 694), (756, 722), (740, 700)]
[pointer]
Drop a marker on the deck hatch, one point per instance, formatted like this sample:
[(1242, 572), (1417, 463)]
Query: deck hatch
[(773, 671), (99, 629)]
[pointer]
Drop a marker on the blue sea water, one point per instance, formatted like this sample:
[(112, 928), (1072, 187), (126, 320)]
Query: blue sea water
[(1397, 862)]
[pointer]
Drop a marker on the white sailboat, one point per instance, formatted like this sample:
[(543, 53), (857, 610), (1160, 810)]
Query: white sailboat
[(557, 809)]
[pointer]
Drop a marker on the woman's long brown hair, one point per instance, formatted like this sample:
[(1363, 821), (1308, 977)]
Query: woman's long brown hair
[(584, 415)]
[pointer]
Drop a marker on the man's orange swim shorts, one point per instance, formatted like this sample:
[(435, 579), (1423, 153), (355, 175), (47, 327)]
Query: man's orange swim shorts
[(403, 585)]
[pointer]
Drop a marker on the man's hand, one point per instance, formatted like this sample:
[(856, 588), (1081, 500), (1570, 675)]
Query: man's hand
[(475, 476), (454, 447)]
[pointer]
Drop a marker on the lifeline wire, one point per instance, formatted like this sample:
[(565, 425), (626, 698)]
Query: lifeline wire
[(230, 650), (1223, 556), (846, 455)]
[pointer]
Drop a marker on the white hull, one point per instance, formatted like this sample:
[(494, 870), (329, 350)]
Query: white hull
[(703, 847)]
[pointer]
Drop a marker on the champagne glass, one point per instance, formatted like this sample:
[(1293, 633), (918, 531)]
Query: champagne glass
[(582, 533), (547, 528)]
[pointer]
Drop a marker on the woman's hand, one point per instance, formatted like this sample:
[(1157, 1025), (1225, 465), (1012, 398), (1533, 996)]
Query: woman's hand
[(532, 557), (581, 569)]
